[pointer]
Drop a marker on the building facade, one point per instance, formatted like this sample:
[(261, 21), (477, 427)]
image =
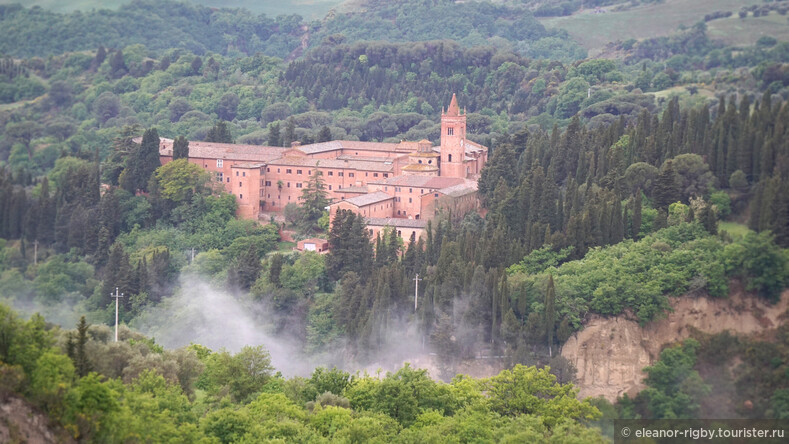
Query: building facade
[(381, 181)]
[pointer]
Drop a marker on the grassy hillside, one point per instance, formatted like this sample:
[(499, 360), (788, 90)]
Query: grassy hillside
[(737, 31), (594, 31), (311, 9)]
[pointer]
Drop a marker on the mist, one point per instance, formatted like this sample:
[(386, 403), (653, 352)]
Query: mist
[(214, 317)]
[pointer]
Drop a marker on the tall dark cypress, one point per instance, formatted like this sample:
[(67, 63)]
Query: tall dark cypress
[(82, 364), (637, 214), (666, 189), (180, 148), (550, 312)]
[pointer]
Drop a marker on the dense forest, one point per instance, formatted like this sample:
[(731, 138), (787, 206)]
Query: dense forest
[(612, 184)]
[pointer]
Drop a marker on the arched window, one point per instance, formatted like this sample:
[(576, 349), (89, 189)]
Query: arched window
[(450, 131)]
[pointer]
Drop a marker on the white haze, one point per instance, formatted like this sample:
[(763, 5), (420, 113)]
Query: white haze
[(203, 314)]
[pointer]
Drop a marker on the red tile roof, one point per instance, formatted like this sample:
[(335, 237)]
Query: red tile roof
[(434, 182)]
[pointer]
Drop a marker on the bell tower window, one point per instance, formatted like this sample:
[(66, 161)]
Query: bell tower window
[(450, 131)]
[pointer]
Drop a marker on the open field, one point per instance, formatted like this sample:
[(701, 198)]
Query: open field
[(734, 229), (310, 9), (594, 31), (737, 31)]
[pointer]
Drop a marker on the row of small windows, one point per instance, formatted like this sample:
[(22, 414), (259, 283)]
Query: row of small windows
[(330, 173)]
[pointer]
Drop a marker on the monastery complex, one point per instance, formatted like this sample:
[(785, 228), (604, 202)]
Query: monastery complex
[(400, 185)]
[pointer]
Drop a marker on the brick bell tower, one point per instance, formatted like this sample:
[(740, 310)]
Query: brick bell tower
[(453, 136)]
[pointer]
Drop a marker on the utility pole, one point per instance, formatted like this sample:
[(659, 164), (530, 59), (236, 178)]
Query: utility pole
[(116, 311), (416, 289), (193, 255), (35, 252)]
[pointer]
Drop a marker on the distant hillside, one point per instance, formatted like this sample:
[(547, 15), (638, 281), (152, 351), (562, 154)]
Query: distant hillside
[(311, 9), (594, 29), (168, 24)]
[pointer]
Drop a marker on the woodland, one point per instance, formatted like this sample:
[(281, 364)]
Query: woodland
[(613, 184)]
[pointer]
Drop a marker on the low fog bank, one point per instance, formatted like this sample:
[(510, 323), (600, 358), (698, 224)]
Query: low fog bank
[(65, 313), (216, 318)]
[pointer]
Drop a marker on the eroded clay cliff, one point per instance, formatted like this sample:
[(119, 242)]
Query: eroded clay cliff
[(611, 352)]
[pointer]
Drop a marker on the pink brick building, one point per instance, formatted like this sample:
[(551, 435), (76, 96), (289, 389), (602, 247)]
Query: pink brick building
[(381, 181)]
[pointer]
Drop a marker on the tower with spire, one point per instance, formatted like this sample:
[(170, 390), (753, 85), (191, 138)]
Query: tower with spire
[(453, 137)]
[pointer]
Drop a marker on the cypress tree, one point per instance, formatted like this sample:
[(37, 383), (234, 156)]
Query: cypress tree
[(101, 55), (324, 135), (247, 268), (290, 133), (550, 312), (666, 189), (275, 268), (274, 138), (82, 364), (709, 220), (180, 148), (637, 214), (617, 223), (219, 133)]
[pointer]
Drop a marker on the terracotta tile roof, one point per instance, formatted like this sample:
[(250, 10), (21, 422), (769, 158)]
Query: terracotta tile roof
[(336, 145), (434, 182), (353, 189), (396, 222), (460, 190), (249, 165), (368, 199), (364, 158), (226, 151), (315, 240), (472, 147), (312, 162)]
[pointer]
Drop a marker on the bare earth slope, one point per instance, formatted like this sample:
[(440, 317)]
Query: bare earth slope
[(610, 352), (19, 423)]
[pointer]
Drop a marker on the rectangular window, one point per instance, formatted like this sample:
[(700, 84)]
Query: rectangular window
[(288, 171), (450, 131), (268, 170), (329, 187), (410, 200), (219, 163), (375, 174), (228, 180), (278, 170), (298, 185), (239, 184), (350, 174), (331, 173), (386, 174), (244, 173), (340, 173), (386, 188), (219, 177), (236, 173), (268, 183), (240, 196), (288, 184), (435, 195), (298, 171), (410, 190)]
